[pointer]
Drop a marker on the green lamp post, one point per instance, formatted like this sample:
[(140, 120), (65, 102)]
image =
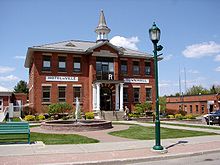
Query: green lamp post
[(154, 33)]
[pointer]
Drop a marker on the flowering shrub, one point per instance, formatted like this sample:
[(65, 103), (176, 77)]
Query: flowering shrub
[(40, 117), (29, 118), (89, 115)]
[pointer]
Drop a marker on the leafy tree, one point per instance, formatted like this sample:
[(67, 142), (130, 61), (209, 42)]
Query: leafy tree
[(59, 108), (21, 87), (195, 90), (215, 89), (162, 102)]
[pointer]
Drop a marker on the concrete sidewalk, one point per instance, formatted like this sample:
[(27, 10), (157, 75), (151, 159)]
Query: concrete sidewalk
[(110, 150), (175, 127), (106, 153)]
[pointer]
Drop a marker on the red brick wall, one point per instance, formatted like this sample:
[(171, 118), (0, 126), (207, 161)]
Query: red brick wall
[(173, 103), (37, 78)]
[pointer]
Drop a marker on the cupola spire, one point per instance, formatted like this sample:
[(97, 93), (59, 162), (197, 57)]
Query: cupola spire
[(102, 29)]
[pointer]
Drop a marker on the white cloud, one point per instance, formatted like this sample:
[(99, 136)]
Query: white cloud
[(168, 57), (125, 42), (201, 49), (217, 58), (5, 69), (193, 71), (9, 78), (217, 69), (20, 57)]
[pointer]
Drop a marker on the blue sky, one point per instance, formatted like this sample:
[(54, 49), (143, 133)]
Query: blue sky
[(190, 34)]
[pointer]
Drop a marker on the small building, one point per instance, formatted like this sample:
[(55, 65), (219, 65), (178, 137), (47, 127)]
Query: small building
[(195, 104), (103, 76), (5, 97)]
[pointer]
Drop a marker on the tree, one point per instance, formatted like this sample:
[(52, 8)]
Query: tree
[(162, 102), (215, 89), (21, 87), (196, 90)]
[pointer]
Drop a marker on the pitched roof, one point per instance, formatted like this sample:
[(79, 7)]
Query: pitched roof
[(5, 92), (83, 47)]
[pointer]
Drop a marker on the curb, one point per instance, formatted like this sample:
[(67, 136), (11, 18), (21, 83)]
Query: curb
[(139, 160)]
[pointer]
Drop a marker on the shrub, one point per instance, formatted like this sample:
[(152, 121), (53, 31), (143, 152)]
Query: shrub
[(183, 113), (89, 115), (134, 115), (40, 117), (190, 116), (179, 116), (59, 108), (29, 118), (141, 108), (170, 116)]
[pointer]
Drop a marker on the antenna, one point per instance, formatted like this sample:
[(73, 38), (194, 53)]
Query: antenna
[(185, 79), (180, 90)]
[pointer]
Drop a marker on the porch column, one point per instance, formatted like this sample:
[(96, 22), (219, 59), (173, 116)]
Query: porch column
[(116, 97), (94, 100), (98, 96), (121, 97)]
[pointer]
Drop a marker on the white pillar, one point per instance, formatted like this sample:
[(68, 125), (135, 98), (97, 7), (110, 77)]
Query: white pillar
[(121, 97), (98, 96), (94, 100), (116, 97)]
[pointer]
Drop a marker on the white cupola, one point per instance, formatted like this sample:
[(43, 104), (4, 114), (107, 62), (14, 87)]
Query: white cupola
[(102, 29)]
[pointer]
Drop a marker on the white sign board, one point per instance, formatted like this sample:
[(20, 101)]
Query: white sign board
[(62, 78), (136, 80)]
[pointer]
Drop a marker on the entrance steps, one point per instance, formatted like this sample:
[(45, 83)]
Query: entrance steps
[(112, 115)]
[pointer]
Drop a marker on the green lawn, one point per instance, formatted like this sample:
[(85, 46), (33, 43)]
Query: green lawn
[(192, 126), (148, 133), (48, 138)]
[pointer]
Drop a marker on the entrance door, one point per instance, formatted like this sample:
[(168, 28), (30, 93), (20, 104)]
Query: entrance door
[(1, 104), (106, 99)]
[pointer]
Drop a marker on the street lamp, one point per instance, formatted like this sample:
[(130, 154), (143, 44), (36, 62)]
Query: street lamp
[(154, 33)]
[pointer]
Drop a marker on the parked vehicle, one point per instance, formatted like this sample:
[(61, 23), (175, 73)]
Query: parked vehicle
[(213, 117)]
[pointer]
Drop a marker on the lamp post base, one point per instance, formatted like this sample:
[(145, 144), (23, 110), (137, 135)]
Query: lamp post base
[(158, 147)]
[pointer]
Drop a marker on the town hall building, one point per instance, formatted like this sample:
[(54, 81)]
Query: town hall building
[(103, 76)]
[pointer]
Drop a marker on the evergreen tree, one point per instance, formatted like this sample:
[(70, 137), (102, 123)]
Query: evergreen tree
[(21, 87)]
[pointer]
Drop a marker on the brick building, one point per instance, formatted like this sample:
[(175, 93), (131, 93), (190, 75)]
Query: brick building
[(196, 104), (7, 96), (103, 76)]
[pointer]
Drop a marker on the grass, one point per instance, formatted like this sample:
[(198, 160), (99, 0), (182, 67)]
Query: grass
[(148, 133), (192, 126), (48, 138)]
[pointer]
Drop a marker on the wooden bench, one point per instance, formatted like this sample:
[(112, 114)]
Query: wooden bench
[(9, 128)]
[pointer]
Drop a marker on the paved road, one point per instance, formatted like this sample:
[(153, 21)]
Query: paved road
[(205, 159)]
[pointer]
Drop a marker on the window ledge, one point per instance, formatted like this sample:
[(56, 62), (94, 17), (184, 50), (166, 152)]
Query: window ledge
[(45, 71), (46, 103), (77, 72), (62, 72), (79, 103)]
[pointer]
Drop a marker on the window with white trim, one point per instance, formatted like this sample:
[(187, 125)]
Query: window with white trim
[(148, 94), (136, 95), (76, 64), (46, 93), (62, 64), (61, 93), (77, 92), (46, 63)]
